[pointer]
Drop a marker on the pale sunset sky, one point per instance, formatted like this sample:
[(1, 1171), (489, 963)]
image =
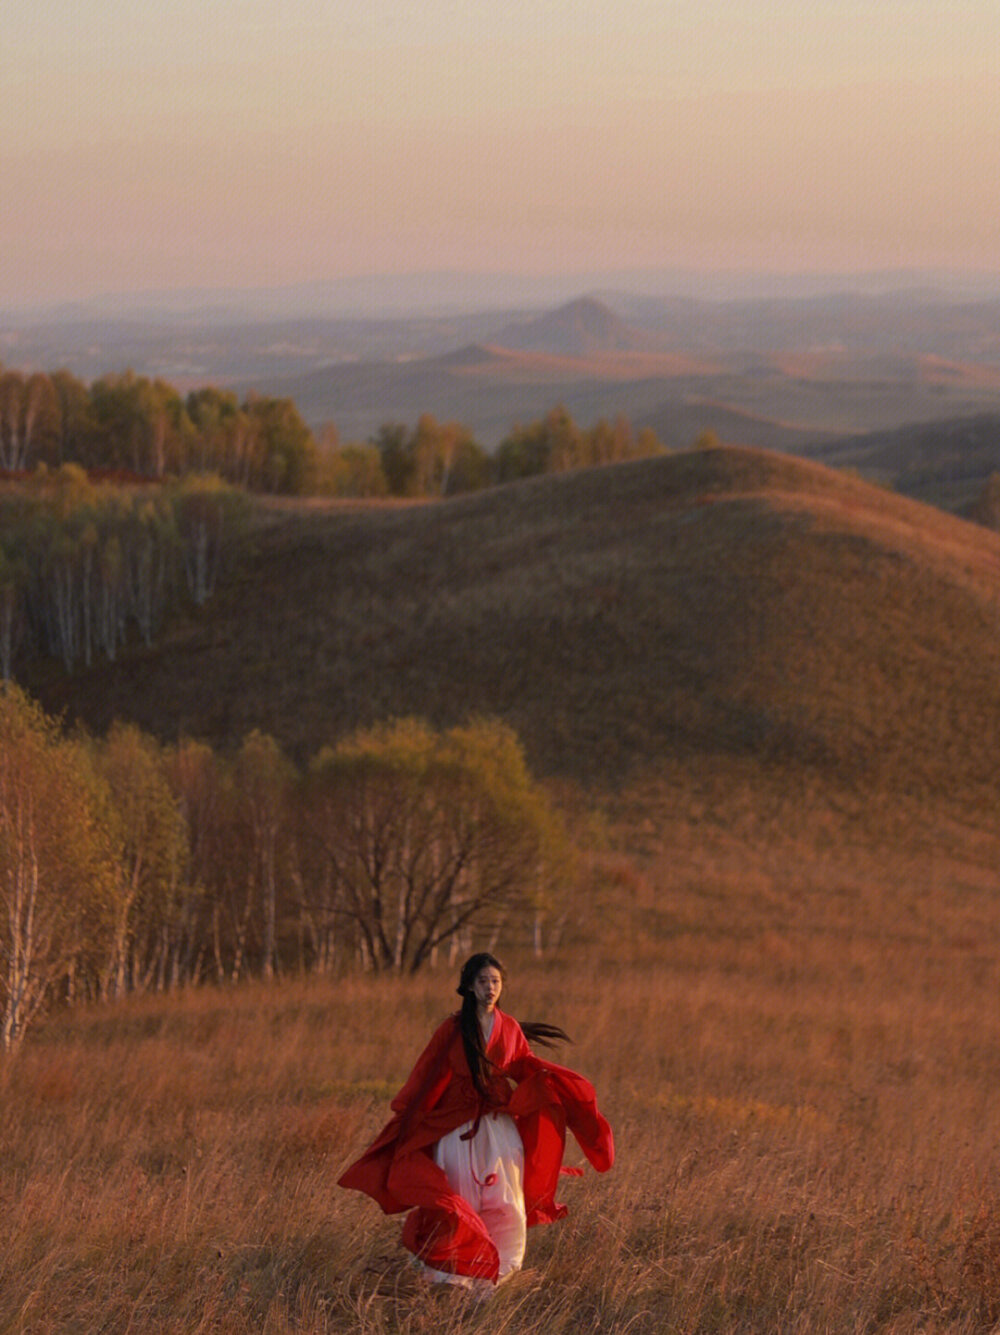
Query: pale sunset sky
[(190, 143)]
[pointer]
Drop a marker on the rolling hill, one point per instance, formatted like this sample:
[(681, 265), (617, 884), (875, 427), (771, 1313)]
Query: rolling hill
[(943, 463), (726, 611)]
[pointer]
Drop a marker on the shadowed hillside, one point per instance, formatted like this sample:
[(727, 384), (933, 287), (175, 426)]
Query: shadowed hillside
[(716, 607), (943, 463)]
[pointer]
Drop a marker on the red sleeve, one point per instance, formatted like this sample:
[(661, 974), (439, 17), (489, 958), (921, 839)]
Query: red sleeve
[(546, 1103), (430, 1075), (523, 1062)]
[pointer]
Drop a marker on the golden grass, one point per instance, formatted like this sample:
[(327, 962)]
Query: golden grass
[(797, 1050), (782, 969)]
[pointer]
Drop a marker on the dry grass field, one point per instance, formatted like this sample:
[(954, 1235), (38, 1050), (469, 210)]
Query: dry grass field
[(797, 1049), (768, 698)]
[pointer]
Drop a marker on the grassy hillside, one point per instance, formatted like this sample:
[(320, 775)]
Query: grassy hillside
[(943, 463), (714, 608)]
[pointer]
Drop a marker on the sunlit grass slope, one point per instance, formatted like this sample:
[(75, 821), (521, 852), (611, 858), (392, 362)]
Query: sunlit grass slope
[(714, 605), (802, 1103)]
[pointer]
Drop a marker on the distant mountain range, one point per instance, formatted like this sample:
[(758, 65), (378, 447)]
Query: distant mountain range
[(789, 372), (447, 293), (780, 374)]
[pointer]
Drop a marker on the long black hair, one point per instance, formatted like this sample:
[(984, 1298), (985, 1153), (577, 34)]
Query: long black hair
[(472, 1036)]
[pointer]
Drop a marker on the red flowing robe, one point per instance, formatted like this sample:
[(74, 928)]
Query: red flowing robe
[(399, 1172)]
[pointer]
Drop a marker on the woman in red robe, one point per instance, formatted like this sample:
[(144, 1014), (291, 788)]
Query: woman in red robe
[(475, 1145)]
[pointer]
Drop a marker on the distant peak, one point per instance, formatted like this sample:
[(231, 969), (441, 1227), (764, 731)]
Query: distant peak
[(580, 328)]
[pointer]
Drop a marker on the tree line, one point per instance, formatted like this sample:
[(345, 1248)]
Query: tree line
[(86, 567), (443, 459), (127, 865), (130, 426)]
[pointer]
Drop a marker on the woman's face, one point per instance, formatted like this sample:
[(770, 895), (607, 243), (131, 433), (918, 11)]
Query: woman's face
[(487, 987)]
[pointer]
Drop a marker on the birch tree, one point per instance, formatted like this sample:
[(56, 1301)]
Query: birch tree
[(12, 441), (72, 432), (195, 777), (54, 868), (263, 779), (206, 515), (150, 846), (427, 835)]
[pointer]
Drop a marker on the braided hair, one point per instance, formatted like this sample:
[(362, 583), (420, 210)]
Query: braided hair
[(472, 1035)]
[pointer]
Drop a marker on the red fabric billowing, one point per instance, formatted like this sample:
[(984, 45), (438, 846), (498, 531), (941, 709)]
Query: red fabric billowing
[(399, 1172)]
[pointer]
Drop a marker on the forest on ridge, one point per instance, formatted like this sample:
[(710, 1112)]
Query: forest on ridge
[(131, 427)]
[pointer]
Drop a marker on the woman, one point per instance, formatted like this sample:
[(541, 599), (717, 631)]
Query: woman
[(474, 1159)]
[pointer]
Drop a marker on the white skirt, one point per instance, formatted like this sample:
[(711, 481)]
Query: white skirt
[(488, 1172)]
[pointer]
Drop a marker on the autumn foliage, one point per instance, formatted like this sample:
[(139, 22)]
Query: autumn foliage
[(88, 568), (127, 866)]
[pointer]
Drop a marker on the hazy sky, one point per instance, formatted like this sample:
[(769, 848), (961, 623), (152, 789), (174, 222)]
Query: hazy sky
[(196, 143)]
